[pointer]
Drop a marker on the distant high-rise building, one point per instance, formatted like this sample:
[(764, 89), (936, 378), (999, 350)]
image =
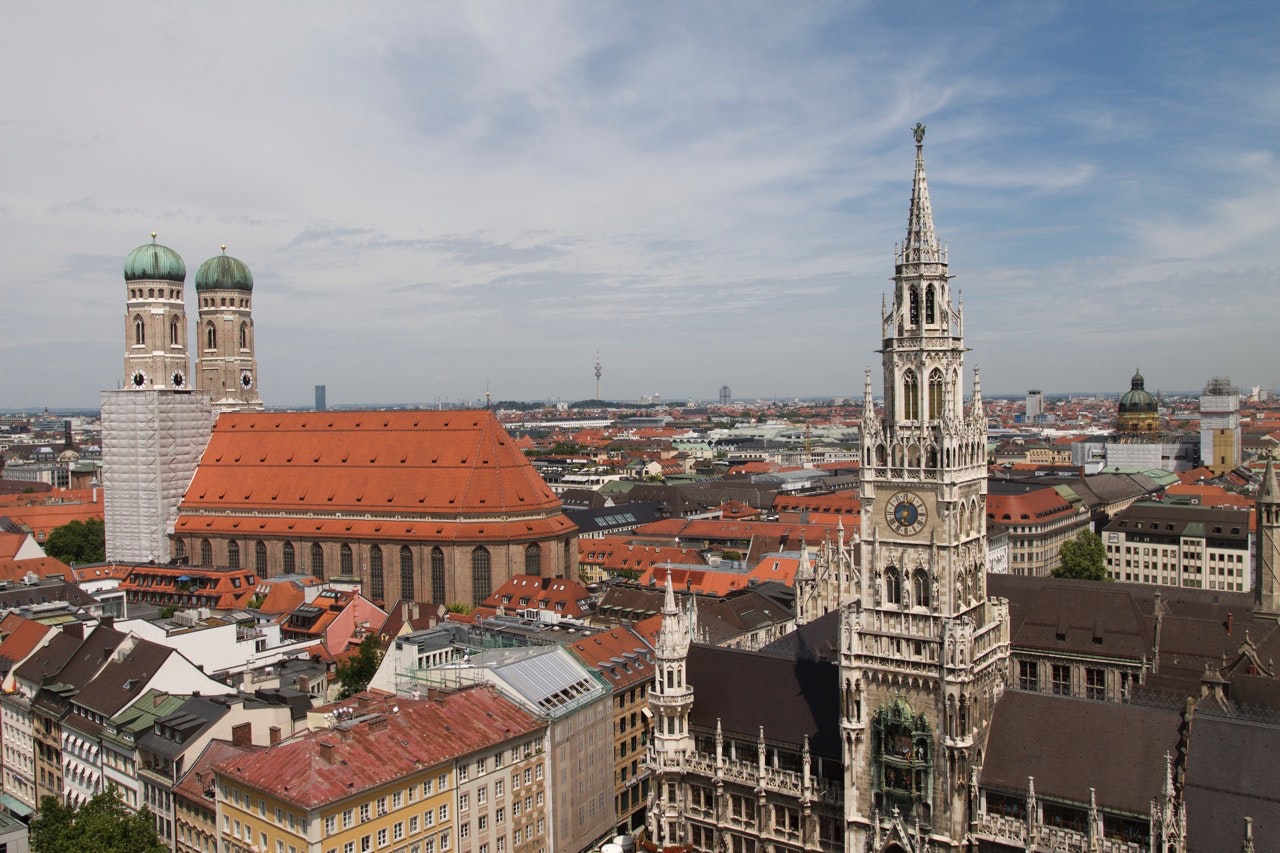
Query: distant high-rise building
[(320, 401), (726, 395), (1035, 405), (226, 368), (1220, 425)]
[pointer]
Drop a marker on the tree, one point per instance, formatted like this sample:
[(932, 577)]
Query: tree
[(78, 542), (1083, 558), (357, 671), (102, 825)]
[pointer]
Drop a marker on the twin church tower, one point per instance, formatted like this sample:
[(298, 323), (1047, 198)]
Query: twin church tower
[(157, 340)]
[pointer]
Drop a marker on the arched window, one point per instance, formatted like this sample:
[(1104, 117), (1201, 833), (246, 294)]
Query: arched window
[(910, 396), (173, 331), (260, 559), (179, 547), (210, 337), (882, 456), (892, 586), (376, 592), (437, 576), (533, 559), (233, 554), (914, 316), (139, 330), (920, 588), (206, 552), (317, 560), (345, 566), (290, 559), (406, 573), (481, 575), (929, 313), (935, 394), (244, 336)]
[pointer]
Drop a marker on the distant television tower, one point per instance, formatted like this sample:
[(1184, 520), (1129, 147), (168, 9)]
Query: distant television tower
[(599, 371)]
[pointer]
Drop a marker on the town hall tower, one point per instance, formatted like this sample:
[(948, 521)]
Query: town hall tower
[(923, 652)]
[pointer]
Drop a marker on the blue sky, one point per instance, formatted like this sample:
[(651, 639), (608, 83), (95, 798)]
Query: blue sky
[(435, 196)]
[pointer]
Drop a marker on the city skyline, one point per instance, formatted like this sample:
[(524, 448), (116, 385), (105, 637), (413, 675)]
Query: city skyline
[(433, 200)]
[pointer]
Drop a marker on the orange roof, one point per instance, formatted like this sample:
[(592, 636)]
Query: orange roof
[(10, 543), (432, 530), (100, 571), (622, 656), (52, 497), (223, 589), (614, 553), (1032, 506), (19, 636), (564, 596), (443, 465), (43, 518), (43, 567), (1211, 495), (283, 595), (845, 502)]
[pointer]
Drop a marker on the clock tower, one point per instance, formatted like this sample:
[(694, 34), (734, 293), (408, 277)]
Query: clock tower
[(924, 652)]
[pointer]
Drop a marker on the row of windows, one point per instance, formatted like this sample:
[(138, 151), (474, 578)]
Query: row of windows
[(140, 331), (481, 566)]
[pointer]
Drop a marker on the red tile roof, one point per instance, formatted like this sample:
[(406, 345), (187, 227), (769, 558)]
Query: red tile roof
[(19, 636), (447, 465), (42, 567), (622, 656), (1036, 506), (566, 597), (328, 765), (614, 553)]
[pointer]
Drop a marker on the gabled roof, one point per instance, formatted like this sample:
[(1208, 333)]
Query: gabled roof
[(792, 699), (621, 655), (1039, 735), (396, 737), (443, 464), (122, 681)]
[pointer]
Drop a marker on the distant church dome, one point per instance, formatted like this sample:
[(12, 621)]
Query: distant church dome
[(153, 262), (1138, 411), (1137, 398), (223, 272)]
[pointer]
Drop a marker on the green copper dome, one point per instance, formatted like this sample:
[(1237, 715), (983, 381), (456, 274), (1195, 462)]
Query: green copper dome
[(223, 272), (1137, 398), (153, 262)]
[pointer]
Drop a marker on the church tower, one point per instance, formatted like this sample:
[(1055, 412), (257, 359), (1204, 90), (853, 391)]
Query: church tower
[(226, 368), (155, 323), (1266, 586), (924, 653)]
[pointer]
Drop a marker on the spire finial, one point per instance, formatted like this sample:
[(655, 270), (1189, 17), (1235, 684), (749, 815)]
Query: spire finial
[(224, 248), (153, 236), (921, 245)]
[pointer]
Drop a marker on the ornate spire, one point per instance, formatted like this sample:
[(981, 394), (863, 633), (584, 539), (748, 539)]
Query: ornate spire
[(868, 404), (977, 393), (921, 245), (1267, 492)]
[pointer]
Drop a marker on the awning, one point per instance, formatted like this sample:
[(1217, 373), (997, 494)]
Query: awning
[(16, 806)]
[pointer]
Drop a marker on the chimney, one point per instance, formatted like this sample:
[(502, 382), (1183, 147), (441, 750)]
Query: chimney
[(363, 701), (273, 735), (326, 751), (74, 629), (242, 735), (1230, 621)]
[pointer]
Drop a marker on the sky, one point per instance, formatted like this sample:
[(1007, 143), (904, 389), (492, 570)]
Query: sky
[(439, 198)]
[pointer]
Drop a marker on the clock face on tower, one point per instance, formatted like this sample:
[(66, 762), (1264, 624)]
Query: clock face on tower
[(906, 513), (246, 379), (139, 379)]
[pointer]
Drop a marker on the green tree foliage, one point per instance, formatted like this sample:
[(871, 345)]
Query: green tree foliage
[(1083, 558), (78, 542), (355, 674), (102, 825)]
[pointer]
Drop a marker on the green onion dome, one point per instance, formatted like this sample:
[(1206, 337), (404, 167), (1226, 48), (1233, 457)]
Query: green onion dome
[(223, 272), (153, 262)]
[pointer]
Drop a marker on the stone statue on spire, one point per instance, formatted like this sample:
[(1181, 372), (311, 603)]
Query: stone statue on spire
[(918, 132)]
